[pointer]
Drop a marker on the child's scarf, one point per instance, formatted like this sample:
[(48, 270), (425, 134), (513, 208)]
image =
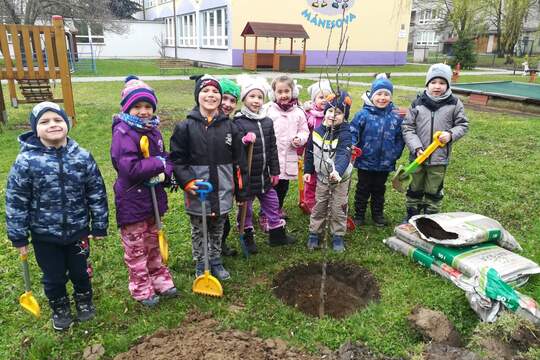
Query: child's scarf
[(250, 114), (137, 122), (288, 105)]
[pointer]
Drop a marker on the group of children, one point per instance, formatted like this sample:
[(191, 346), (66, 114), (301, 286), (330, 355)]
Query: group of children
[(56, 195)]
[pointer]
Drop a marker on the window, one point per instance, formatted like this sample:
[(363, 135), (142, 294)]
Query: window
[(428, 15), (214, 28), (89, 33), (169, 31), (186, 26), (427, 38), (163, 1), (150, 3)]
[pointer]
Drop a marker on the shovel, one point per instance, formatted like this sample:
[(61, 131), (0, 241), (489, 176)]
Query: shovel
[(243, 211), (163, 244), (206, 284), (402, 178), (27, 300), (355, 152)]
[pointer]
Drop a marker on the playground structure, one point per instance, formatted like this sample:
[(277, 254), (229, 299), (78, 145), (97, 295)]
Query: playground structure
[(276, 61), (36, 55)]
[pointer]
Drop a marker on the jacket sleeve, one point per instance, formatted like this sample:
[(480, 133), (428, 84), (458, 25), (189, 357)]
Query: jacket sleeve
[(357, 127), (129, 161), (302, 130), (273, 159), (240, 165), (460, 123), (309, 166), (168, 163), (343, 153), (399, 143), (180, 154), (96, 197), (18, 197), (408, 130)]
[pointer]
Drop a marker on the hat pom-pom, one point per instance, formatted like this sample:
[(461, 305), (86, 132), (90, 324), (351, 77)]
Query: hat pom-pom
[(131, 77)]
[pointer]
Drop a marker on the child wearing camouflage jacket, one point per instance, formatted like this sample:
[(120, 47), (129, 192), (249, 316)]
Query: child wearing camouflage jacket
[(56, 196)]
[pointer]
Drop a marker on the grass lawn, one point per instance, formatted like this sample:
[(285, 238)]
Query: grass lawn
[(494, 172)]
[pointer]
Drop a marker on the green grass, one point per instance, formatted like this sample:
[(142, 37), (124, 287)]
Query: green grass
[(494, 172), (419, 81)]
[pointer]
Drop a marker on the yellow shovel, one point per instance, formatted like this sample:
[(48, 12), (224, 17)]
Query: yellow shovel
[(206, 284), (163, 244), (27, 300)]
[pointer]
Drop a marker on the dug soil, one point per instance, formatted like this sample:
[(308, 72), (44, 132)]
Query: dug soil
[(349, 288)]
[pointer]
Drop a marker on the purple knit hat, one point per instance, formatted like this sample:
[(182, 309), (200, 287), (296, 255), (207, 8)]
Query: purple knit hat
[(136, 90)]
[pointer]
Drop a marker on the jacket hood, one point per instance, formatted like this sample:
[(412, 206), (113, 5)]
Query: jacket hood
[(29, 142), (368, 105)]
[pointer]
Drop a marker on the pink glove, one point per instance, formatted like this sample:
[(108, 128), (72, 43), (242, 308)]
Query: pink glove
[(275, 180), (249, 138)]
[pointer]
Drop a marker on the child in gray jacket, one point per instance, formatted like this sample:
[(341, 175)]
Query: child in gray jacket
[(436, 109)]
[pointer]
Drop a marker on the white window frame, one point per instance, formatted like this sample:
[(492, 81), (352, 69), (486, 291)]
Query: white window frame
[(427, 38), (211, 36), (169, 31), (186, 26), (150, 3), (428, 16), (91, 38)]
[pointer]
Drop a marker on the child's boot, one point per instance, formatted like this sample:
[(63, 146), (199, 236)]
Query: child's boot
[(411, 211), (61, 317), (85, 307), (313, 241), (151, 301), (278, 237), (250, 241), (199, 268), (338, 244), (226, 250), (218, 270), (377, 211)]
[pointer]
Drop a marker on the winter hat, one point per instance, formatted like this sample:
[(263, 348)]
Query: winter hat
[(202, 81), (248, 83), (230, 87), (319, 86), (42, 108), (342, 102), (134, 91), (381, 84), (442, 71)]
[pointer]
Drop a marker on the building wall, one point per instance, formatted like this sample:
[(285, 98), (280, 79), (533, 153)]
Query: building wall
[(138, 41)]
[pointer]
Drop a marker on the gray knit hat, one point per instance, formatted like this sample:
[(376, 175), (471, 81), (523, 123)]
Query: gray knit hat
[(442, 71)]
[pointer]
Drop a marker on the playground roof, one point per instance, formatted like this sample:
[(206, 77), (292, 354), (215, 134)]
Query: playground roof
[(275, 30)]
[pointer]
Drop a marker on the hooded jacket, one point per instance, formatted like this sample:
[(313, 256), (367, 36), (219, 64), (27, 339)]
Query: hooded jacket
[(265, 162), (377, 132), (425, 117), (133, 199), (54, 195), (212, 152)]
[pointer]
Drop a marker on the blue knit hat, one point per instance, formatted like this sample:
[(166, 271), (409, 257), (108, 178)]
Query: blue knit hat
[(41, 108), (379, 85), (343, 102)]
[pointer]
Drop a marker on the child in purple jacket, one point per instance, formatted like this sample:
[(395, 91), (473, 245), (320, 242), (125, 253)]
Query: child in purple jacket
[(149, 278)]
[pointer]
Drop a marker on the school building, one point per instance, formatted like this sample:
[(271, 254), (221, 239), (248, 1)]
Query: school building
[(211, 30)]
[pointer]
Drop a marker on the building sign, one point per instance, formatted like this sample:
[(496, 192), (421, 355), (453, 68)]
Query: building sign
[(329, 14)]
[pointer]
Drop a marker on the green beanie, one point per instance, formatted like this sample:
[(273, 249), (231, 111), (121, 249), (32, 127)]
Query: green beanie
[(230, 87)]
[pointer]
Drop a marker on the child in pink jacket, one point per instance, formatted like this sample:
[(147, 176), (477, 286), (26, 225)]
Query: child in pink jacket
[(290, 127), (318, 93)]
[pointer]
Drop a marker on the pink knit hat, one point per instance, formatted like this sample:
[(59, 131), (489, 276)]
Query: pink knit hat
[(136, 90)]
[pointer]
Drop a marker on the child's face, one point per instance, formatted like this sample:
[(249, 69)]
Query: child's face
[(142, 109), (283, 92), (52, 129), (320, 99), (254, 100), (437, 87), (381, 99), (209, 98), (334, 116), (228, 104)]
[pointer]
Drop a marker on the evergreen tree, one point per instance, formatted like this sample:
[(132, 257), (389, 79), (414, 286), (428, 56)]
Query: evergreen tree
[(464, 53), (124, 9)]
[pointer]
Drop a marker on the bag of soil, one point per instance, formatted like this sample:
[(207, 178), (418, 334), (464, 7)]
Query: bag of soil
[(514, 269), (461, 229)]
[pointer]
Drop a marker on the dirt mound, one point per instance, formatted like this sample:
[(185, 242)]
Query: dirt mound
[(198, 338), (434, 326), (357, 350), (348, 288)]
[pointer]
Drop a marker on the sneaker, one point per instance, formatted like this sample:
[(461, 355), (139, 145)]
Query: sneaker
[(250, 241), (338, 244), (227, 251), (379, 220), (85, 307), (170, 293), (313, 241), (359, 221), (199, 269), (219, 271), (61, 316), (151, 301)]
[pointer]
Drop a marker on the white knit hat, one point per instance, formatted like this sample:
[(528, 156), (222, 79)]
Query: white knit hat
[(319, 86), (248, 83)]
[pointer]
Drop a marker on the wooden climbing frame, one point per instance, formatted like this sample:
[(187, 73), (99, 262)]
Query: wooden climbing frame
[(35, 56)]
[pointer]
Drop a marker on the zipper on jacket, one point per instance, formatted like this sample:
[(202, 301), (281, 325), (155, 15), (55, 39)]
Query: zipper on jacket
[(431, 137), (264, 154), (63, 191)]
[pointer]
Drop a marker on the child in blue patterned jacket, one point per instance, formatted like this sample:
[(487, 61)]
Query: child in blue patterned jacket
[(376, 130), (56, 195)]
